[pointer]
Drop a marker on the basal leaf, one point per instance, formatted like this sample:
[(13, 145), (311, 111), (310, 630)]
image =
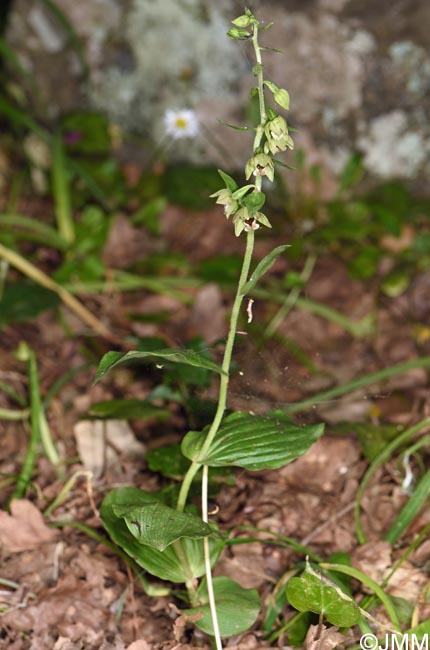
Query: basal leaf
[(158, 526), (112, 360), (163, 564), (254, 442), (262, 267), (237, 608), (128, 409), (309, 594)]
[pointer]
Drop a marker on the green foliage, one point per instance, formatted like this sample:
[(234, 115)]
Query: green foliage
[(86, 132), (411, 509), (190, 186), (253, 442), (24, 300), (158, 526), (167, 460), (263, 266), (310, 594), (163, 564), (237, 607), (127, 409), (113, 360)]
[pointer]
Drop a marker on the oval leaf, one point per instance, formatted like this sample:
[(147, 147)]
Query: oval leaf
[(309, 594), (127, 409), (112, 360), (158, 526), (237, 608), (262, 267), (253, 442), (163, 564), (254, 201)]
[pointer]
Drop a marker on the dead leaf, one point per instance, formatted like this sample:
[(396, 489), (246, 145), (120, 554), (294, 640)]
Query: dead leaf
[(208, 314), (374, 559), (327, 638), (139, 645), (92, 438), (24, 528)]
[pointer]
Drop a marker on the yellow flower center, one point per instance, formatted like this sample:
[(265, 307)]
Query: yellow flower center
[(181, 123)]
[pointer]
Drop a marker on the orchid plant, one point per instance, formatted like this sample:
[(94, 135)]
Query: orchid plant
[(166, 536)]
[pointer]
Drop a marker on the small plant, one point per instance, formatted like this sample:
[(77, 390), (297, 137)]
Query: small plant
[(162, 531)]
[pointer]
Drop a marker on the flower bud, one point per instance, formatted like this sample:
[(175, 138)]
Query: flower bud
[(282, 98), (242, 21), (238, 34)]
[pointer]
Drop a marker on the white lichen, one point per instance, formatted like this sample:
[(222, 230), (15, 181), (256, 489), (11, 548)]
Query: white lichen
[(179, 51), (390, 149)]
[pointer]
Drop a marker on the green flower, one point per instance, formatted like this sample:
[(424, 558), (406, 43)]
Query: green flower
[(225, 198), (278, 138), (260, 165)]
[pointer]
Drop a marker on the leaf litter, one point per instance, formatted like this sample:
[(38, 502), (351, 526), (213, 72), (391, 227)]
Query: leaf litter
[(68, 591)]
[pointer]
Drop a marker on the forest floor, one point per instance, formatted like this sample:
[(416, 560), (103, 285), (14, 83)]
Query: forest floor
[(62, 590)]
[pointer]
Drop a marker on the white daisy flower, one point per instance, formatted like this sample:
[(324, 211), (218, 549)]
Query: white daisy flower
[(181, 123)]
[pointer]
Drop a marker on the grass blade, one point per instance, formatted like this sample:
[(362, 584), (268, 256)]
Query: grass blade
[(61, 191), (410, 509), (381, 458)]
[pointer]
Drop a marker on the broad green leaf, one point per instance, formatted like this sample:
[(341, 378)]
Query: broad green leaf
[(163, 564), (254, 442), (128, 409), (112, 360), (263, 266), (309, 594), (237, 608), (158, 526)]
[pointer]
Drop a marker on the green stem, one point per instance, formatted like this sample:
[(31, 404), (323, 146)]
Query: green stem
[(35, 401), (222, 397), (260, 84), (207, 555), (10, 414)]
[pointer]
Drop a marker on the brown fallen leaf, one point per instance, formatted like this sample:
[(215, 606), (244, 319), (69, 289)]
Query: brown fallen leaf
[(139, 645), (327, 638), (24, 528)]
